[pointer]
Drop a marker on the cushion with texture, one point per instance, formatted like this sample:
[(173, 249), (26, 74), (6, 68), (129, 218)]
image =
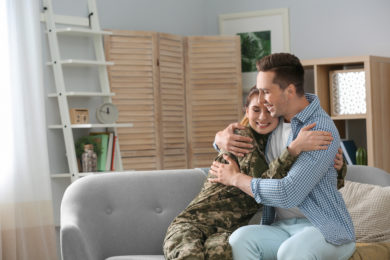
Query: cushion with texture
[(369, 206)]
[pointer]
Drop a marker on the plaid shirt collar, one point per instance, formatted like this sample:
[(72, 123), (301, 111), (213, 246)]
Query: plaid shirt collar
[(309, 110)]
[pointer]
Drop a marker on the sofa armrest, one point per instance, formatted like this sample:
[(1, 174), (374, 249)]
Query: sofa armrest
[(367, 174), (73, 245), (124, 213)]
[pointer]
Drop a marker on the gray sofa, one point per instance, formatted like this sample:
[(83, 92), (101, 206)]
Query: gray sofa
[(123, 216)]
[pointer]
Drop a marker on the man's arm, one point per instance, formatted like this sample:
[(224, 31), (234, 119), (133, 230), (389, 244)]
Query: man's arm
[(306, 141), (227, 140), (232, 176), (307, 171)]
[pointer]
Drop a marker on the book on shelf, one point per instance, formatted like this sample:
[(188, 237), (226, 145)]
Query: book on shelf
[(113, 152), (101, 138), (106, 158), (109, 151), (349, 151)]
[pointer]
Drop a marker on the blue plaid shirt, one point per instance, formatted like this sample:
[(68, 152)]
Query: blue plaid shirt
[(311, 184)]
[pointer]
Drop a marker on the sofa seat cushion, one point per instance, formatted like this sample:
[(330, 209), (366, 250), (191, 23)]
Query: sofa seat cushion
[(137, 257), (368, 251)]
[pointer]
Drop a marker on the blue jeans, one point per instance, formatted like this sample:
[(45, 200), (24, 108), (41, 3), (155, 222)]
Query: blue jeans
[(287, 239)]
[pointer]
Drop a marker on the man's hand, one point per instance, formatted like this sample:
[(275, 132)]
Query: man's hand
[(230, 142), (224, 173), (230, 175)]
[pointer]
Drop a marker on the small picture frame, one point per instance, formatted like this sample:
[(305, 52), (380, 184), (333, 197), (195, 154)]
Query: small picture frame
[(79, 116), (347, 92)]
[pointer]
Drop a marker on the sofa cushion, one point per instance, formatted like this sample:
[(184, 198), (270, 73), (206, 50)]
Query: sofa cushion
[(369, 206), (371, 251)]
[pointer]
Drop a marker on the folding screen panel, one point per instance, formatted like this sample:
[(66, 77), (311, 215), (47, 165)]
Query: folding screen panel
[(148, 79), (213, 92), (172, 102), (135, 85)]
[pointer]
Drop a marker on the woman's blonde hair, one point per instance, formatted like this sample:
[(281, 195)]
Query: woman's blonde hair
[(252, 91)]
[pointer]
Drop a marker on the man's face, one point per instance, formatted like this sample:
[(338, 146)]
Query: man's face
[(275, 99)]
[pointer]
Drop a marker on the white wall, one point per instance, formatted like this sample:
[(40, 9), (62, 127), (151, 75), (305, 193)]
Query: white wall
[(319, 29), (183, 17)]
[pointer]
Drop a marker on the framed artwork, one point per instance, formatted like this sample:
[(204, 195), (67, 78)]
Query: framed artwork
[(261, 33)]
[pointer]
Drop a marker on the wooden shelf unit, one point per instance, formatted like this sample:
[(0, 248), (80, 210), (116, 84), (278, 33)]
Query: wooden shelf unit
[(371, 130)]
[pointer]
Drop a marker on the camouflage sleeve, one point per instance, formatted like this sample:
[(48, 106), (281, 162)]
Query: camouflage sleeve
[(279, 167), (220, 159), (240, 162), (341, 175)]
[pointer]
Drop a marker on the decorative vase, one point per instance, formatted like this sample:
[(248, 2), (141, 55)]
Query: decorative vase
[(89, 159)]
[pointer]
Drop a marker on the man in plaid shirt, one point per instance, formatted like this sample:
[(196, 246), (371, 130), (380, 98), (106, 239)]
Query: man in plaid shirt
[(304, 216)]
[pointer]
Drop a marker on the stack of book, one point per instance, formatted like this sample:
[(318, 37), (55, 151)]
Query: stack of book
[(107, 155)]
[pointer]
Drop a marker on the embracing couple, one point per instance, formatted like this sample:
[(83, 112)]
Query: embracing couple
[(285, 159)]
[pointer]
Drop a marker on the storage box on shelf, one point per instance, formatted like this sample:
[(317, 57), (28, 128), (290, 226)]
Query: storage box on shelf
[(370, 130)]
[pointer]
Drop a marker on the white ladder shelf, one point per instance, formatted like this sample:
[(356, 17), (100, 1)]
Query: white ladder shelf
[(85, 27)]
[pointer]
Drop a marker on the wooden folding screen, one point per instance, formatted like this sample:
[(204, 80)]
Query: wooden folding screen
[(213, 92), (135, 84), (173, 129)]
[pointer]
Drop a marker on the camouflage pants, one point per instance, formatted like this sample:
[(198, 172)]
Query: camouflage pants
[(189, 242)]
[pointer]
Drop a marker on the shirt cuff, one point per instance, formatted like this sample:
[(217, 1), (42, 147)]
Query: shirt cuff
[(254, 185), (216, 147)]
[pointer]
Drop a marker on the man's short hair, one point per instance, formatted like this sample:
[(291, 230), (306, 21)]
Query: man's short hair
[(288, 70)]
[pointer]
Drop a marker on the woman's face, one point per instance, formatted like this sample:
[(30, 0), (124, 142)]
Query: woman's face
[(259, 118)]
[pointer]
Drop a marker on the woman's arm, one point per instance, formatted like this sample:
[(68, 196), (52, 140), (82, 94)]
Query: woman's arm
[(228, 140)]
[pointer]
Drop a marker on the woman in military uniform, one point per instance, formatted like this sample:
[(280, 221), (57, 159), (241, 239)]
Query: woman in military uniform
[(202, 230)]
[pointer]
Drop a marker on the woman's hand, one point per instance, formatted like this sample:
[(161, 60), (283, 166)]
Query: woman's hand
[(308, 140), (338, 161), (230, 142), (230, 175)]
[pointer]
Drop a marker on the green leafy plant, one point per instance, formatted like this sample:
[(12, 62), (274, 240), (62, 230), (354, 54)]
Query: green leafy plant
[(97, 147), (254, 46)]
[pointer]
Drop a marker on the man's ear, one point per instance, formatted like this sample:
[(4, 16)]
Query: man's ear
[(291, 90)]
